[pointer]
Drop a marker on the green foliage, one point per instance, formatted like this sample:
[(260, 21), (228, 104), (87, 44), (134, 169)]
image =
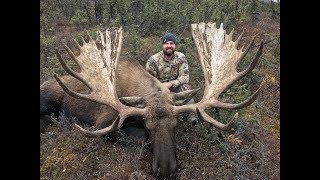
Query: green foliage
[(276, 49), (46, 42), (135, 42), (149, 17), (79, 18)]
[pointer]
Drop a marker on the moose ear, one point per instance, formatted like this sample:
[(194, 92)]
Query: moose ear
[(133, 101), (184, 97)]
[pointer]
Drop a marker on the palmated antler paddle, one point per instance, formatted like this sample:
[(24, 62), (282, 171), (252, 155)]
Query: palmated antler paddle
[(98, 61), (219, 59)]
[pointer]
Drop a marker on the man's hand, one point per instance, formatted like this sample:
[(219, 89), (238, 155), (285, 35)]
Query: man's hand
[(167, 84)]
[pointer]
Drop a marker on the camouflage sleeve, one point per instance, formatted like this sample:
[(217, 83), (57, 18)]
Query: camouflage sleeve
[(151, 67), (183, 77)]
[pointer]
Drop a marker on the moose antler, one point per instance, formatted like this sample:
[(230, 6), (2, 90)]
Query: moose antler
[(97, 72), (219, 58)]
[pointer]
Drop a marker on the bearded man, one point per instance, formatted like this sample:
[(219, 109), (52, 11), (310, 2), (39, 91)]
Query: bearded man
[(171, 68)]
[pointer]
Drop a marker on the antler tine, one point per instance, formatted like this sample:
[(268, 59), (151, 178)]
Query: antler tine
[(100, 132), (244, 103), (77, 44), (65, 66), (90, 38), (83, 41), (71, 92), (253, 63), (221, 26), (205, 117), (244, 52), (238, 40), (228, 37), (231, 32), (69, 70), (72, 55)]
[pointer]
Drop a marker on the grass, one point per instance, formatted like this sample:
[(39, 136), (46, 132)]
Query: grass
[(202, 152)]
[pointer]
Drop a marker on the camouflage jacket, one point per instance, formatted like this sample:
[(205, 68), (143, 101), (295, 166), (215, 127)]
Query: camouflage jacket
[(175, 71)]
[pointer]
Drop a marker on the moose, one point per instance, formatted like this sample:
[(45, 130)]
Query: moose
[(107, 90)]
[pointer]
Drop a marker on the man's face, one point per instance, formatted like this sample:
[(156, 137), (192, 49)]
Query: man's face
[(168, 48)]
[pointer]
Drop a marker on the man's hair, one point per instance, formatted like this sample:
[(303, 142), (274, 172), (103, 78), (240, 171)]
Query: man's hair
[(168, 37)]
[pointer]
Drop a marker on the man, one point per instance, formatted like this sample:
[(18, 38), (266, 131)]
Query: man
[(171, 68)]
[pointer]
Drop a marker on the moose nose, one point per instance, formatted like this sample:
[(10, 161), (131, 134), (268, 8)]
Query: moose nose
[(162, 170), (164, 158)]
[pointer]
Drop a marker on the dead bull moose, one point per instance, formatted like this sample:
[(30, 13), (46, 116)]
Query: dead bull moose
[(107, 90)]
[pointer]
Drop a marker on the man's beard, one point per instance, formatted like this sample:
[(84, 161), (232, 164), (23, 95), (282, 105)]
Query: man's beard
[(168, 53)]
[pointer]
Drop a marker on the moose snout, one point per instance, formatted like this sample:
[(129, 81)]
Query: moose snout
[(164, 167), (164, 158)]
